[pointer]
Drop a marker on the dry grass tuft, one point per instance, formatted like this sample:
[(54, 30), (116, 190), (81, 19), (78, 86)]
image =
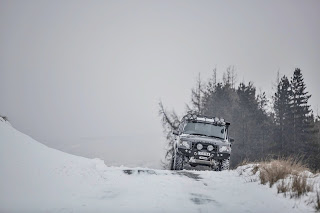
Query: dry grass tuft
[(290, 175), (300, 186), (271, 172), (255, 169), (283, 188)]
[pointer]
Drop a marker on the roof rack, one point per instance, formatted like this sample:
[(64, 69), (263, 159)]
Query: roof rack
[(215, 120)]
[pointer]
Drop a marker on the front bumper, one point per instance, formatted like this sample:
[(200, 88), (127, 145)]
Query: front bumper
[(196, 155)]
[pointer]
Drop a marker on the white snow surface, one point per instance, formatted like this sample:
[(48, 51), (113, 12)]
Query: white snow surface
[(36, 178)]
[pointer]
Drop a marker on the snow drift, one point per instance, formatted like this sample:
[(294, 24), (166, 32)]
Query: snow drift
[(36, 178)]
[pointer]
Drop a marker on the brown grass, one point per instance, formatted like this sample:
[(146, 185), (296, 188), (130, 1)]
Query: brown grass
[(276, 171), (255, 169), (271, 172), (300, 186), (283, 188)]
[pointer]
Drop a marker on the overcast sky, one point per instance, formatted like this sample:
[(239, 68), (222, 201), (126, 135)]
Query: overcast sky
[(86, 76)]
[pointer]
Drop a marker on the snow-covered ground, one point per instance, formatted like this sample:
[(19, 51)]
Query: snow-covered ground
[(35, 178)]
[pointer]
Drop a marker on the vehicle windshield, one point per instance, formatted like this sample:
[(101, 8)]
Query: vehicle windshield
[(205, 129)]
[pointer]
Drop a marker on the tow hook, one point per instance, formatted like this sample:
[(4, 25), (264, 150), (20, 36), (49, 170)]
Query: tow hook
[(211, 156), (212, 162)]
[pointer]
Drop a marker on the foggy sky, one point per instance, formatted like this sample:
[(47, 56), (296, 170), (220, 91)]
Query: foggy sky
[(85, 77)]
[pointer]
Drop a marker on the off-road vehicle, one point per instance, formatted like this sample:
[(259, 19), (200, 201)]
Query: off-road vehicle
[(203, 141)]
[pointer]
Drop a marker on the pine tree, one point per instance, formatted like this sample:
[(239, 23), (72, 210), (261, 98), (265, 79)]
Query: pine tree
[(246, 120), (266, 123), (301, 120), (282, 100), (230, 77)]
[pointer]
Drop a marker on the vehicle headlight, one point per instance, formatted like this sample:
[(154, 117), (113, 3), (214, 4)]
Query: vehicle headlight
[(210, 148), (224, 149), (186, 144), (199, 146)]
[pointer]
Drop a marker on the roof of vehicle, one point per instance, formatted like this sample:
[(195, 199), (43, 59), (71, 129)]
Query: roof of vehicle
[(201, 118)]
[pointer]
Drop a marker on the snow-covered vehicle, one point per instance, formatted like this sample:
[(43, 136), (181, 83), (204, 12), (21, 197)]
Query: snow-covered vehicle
[(204, 141)]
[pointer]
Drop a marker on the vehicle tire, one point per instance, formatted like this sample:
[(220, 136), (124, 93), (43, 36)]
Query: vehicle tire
[(225, 164), (216, 169), (178, 161)]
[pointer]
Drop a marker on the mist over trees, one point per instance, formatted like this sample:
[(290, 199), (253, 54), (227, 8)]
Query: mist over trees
[(281, 126)]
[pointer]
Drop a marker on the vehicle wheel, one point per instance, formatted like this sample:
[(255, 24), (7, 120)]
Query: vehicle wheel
[(225, 164), (217, 169), (178, 161)]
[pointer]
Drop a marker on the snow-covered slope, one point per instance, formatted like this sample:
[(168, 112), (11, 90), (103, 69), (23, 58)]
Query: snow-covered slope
[(35, 178)]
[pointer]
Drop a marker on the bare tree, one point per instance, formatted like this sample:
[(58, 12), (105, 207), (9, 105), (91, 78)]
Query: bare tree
[(196, 97), (233, 77), (230, 77), (170, 121)]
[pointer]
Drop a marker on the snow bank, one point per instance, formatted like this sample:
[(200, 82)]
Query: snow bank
[(251, 173), (35, 177)]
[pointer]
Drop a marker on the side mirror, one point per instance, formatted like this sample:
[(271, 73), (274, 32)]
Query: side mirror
[(231, 140), (175, 132)]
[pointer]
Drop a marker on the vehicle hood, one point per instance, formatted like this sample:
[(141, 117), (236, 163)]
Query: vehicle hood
[(203, 139)]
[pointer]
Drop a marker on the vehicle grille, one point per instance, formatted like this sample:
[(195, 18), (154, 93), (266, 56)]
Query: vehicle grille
[(194, 146)]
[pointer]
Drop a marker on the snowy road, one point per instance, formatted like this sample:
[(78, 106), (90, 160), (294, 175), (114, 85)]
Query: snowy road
[(140, 190), (35, 178)]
